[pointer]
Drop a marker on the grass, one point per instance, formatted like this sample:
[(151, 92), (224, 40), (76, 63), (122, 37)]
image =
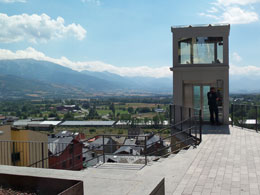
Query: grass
[(141, 105), (103, 112), (149, 115)]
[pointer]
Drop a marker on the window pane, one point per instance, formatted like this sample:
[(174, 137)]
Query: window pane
[(220, 50), (208, 50), (200, 50), (203, 51), (196, 97), (205, 110), (184, 51)]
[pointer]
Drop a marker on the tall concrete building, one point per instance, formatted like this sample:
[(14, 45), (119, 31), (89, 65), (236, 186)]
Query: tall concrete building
[(200, 61)]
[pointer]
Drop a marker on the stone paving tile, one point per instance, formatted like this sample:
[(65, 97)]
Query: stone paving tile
[(224, 164)]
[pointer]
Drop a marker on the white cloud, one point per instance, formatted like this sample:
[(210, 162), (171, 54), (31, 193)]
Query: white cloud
[(210, 16), (233, 11), (236, 15), (97, 66), (244, 70), (36, 28), (236, 57), (237, 2), (97, 2), (12, 1), (213, 10)]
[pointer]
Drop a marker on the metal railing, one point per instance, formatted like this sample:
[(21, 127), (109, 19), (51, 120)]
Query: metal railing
[(182, 117), (245, 116), (111, 151), (41, 154), (184, 131)]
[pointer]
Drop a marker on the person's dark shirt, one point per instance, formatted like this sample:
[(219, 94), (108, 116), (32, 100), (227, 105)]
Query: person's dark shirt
[(212, 99)]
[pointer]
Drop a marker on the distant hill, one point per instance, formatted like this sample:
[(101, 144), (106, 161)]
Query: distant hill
[(244, 84), (148, 84), (31, 78), (52, 73), (28, 78), (15, 87)]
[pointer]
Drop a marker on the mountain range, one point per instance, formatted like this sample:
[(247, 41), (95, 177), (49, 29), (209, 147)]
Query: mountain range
[(23, 78)]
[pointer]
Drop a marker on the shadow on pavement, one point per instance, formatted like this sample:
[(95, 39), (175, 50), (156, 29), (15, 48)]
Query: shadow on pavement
[(215, 129)]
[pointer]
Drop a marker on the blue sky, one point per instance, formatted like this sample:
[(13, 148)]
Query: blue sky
[(126, 37)]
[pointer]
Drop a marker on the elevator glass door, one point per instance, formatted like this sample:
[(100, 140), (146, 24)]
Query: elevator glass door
[(197, 97), (205, 107), (200, 100)]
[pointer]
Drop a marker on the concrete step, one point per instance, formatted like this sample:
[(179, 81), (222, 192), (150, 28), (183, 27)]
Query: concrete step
[(125, 166)]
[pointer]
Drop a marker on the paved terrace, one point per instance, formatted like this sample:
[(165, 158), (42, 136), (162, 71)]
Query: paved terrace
[(226, 162)]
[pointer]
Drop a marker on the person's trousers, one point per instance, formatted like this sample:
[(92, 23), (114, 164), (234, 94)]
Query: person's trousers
[(213, 111)]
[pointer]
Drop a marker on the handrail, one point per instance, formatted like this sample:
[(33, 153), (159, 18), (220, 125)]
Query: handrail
[(188, 125)]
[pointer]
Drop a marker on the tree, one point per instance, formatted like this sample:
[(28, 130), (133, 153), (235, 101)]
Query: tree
[(57, 118), (161, 118), (112, 108), (125, 117), (68, 116), (92, 131), (93, 113), (156, 120), (143, 110), (251, 113), (86, 105), (118, 115), (146, 120), (53, 114), (130, 110), (167, 112), (133, 122)]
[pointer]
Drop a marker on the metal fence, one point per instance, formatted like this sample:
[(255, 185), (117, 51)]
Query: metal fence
[(245, 116), (21, 153), (41, 154), (184, 131), (132, 150)]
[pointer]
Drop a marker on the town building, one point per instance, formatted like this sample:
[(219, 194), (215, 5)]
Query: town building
[(76, 135), (66, 108), (23, 147), (35, 125), (133, 132), (129, 147), (87, 124), (65, 153), (106, 142)]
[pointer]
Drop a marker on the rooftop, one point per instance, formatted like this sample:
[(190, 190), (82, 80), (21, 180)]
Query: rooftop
[(32, 123), (226, 162), (56, 148), (87, 123), (200, 25)]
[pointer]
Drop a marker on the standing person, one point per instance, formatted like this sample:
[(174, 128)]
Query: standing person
[(213, 107)]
